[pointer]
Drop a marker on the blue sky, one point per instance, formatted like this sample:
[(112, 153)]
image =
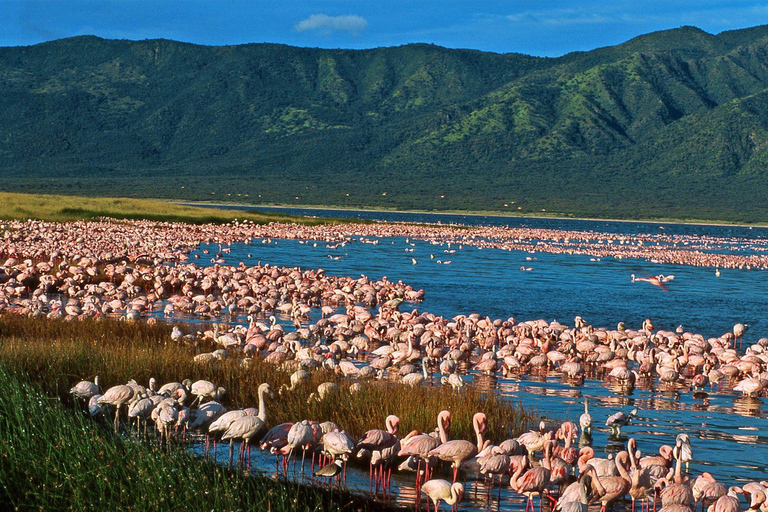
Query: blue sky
[(544, 28)]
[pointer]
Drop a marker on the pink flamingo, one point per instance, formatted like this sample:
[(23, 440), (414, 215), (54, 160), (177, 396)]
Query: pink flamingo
[(378, 440), (117, 396), (419, 445), (533, 481), (459, 451), (727, 503), (615, 487)]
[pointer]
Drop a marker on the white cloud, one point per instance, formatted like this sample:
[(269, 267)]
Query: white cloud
[(350, 23)]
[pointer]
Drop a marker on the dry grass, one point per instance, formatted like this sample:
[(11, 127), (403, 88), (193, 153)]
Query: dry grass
[(57, 354), (71, 208)]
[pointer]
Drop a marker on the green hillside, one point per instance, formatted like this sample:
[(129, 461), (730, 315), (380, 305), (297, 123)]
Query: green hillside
[(669, 124)]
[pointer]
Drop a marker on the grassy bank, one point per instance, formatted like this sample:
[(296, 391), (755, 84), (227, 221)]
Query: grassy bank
[(52, 459), (57, 354), (71, 208)]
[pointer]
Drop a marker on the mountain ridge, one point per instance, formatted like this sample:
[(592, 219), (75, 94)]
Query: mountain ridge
[(668, 124)]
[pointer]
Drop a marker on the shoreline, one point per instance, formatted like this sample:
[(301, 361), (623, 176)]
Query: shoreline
[(496, 214)]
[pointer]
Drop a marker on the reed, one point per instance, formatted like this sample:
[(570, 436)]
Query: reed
[(70, 208), (51, 459), (58, 353)]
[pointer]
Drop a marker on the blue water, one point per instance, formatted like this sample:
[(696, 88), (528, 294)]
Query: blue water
[(725, 429), (559, 287)]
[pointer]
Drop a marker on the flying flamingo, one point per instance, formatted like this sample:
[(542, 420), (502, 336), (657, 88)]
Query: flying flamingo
[(654, 280), (441, 490), (460, 451)]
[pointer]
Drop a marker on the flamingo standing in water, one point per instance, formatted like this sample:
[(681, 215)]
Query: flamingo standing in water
[(441, 490), (585, 420), (246, 427), (419, 445), (533, 481), (378, 440), (615, 487), (679, 491), (460, 451), (117, 396)]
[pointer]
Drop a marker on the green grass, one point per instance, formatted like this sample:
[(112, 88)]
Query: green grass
[(71, 208), (52, 459)]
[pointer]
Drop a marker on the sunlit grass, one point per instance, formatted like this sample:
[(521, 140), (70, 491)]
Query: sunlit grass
[(57, 354), (70, 208)]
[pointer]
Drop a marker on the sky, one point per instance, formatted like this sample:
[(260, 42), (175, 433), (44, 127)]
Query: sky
[(533, 27)]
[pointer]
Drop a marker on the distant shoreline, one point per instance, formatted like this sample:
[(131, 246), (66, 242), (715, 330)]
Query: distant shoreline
[(473, 214)]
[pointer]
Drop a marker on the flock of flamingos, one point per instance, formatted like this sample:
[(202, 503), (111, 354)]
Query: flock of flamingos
[(139, 270)]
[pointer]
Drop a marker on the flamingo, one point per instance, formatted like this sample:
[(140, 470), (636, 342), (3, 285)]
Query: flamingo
[(245, 428), (640, 478), (117, 396), (615, 487), (707, 490), (441, 490), (459, 451), (727, 503), (616, 421), (379, 440), (738, 332), (300, 436), (497, 463), (573, 491), (533, 481), (582, 503), (585, 420), (204, 388), (419, 445), (679, 491), (686, 452), (654, 280)]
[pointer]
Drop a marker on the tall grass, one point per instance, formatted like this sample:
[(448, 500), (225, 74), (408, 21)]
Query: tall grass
[(71, 208), (57, 354), (51, 459)]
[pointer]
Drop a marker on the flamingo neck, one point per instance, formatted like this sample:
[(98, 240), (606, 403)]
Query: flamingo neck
[(620, 460), (454, 496), (262, 410), (441, 429), (479, 435), (678, 468), (597, 484), (516, 475)]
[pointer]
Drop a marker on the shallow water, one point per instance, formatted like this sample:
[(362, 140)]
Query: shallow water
[(728, 433)]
